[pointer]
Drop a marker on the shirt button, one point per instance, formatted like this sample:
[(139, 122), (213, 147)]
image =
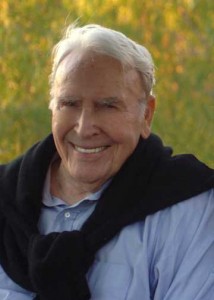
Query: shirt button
[(67, 214)]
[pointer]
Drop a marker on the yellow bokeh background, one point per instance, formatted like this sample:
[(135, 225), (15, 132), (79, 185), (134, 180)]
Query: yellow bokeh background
[(179, 34)]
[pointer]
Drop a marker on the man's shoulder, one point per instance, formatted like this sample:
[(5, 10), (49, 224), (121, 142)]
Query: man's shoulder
[(180, 224), (176, 224), (190, 209), (194, 205)]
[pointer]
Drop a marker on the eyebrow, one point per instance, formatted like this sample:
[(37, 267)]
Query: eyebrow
[(109, 100), (106, 100), (67, 98)]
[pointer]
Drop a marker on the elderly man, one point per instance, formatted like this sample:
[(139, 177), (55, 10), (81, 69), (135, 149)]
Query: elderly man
[(100, 209)]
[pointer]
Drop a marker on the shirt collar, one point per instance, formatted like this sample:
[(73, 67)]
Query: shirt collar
[(51, 201)]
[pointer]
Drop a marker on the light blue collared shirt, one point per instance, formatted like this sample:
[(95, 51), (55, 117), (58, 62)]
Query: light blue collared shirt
[(169, 256)]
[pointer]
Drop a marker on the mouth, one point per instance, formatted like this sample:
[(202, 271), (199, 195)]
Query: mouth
[(89, 150)]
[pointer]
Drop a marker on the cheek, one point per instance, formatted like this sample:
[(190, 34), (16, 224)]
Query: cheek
[(60, 124), (56, 128), (128, 129)]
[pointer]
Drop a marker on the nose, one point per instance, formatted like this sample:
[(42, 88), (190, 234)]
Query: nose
[(86, 124)]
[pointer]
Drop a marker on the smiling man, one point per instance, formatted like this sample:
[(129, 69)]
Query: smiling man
[(98, 117), (100, 209)]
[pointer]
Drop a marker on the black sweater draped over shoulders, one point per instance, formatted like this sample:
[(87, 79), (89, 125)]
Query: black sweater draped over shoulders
[(54, 265)]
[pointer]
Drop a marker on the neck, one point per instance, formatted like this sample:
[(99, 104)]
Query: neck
[(63, 186)]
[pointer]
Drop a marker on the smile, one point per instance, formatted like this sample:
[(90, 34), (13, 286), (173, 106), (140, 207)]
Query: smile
[(89, 150)]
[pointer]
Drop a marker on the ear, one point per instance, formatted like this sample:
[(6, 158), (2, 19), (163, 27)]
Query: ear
[(148, 116)]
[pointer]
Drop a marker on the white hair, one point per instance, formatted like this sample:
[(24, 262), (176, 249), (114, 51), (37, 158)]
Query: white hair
[(105, 41)]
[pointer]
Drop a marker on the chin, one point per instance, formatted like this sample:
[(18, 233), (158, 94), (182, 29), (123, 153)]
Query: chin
[(90, 179)]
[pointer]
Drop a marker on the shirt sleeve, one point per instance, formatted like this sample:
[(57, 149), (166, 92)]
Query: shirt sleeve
[(9, 290), (182, 262)]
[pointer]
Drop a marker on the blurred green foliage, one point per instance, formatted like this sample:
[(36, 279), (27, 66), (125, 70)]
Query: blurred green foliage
[(179, 34)]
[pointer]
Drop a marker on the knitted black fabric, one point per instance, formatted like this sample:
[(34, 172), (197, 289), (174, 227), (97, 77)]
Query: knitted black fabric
[(54, 265)]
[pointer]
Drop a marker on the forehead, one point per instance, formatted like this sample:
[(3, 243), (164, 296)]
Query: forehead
[(77, 64), (88, 61), (87, 70)]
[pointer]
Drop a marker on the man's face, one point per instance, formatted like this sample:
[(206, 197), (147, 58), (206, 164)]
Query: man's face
[(99, 116)]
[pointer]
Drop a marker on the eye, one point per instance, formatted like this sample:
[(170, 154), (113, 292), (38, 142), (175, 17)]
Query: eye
[(63, 102), (109, 104), (68, 103)]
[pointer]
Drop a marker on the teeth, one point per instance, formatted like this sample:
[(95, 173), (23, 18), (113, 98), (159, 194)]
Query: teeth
[(92, 150)]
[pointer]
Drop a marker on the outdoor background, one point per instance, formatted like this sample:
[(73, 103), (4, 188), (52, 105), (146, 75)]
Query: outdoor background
[(179, 34)]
